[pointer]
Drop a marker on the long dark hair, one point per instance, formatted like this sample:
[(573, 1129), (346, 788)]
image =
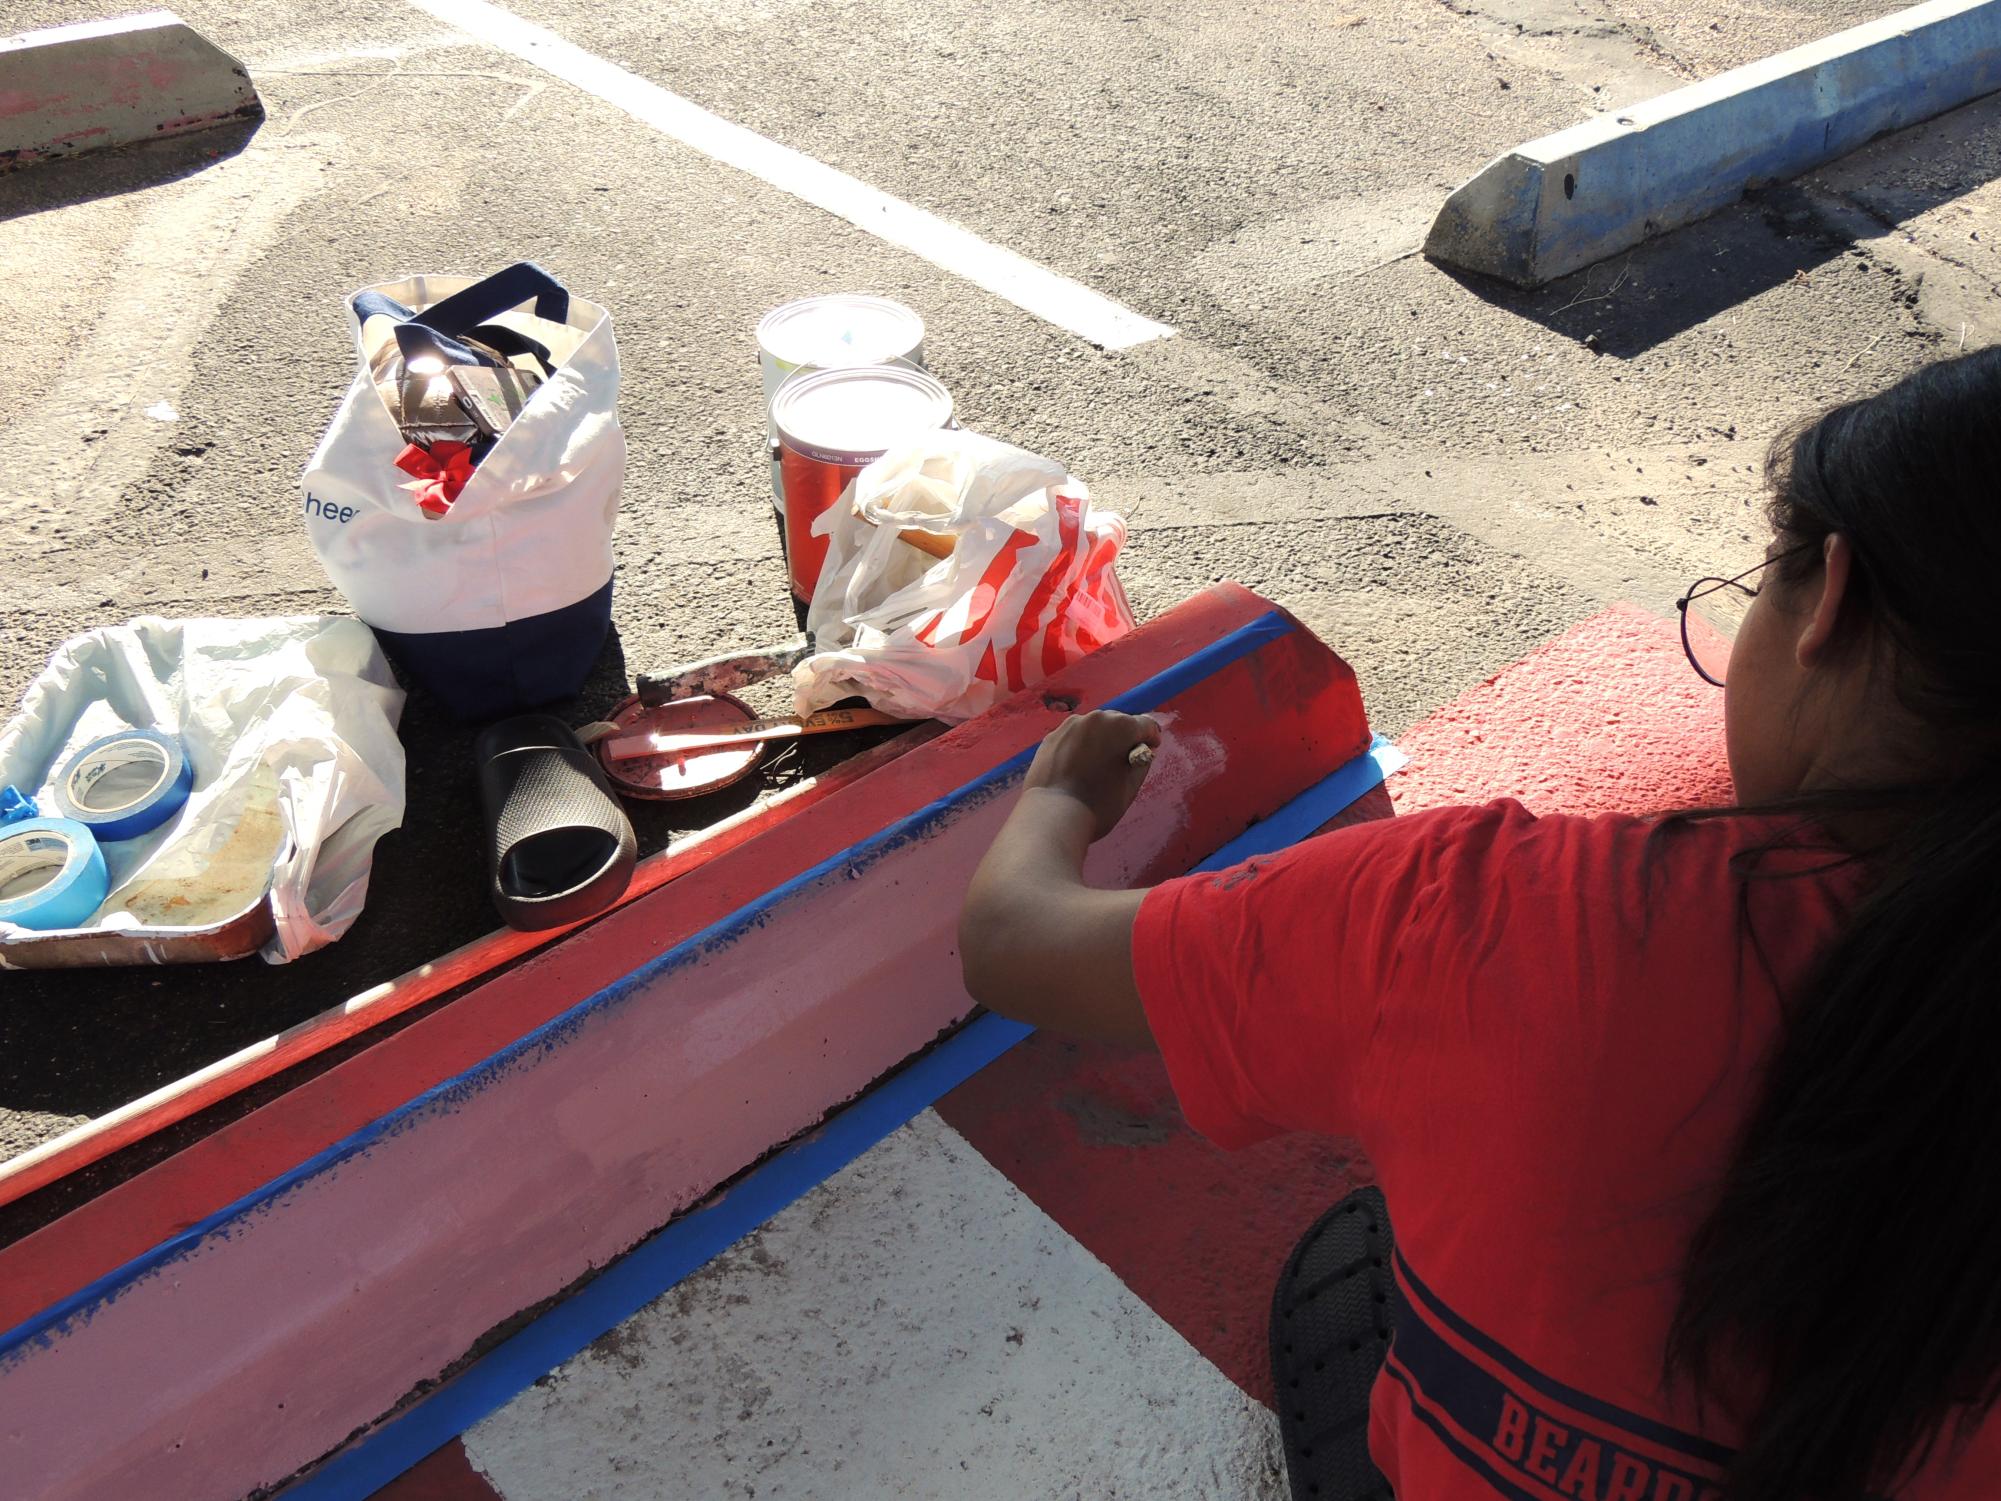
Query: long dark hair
[(1854, 1254)]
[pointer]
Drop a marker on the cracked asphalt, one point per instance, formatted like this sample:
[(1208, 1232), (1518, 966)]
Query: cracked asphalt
[(1436, 473)]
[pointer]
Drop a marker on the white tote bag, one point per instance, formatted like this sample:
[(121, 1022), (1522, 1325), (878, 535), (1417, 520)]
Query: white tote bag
[(502, 602), (1028, 587)]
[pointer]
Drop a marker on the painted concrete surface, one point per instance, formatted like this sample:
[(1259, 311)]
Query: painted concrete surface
[(1606, 717), (1092, 1134), (1301, 713), (914, 1327)]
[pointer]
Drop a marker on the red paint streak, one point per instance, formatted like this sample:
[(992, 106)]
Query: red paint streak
[(20, 102), (445, 1474), (1320, 728), (1607, 717)]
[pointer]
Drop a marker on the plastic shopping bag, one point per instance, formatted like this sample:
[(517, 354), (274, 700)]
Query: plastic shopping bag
[(290, 727), (464, 496), (1027, 588)]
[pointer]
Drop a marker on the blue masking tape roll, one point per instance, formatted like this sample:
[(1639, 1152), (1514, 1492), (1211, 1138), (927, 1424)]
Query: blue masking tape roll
[(52, 874), (123, 785)]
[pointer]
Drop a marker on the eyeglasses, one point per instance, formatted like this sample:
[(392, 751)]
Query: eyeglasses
[(1724, 604)]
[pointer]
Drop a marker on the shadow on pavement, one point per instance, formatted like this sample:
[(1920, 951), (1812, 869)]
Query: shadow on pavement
[(118, 170), (1626, 305)]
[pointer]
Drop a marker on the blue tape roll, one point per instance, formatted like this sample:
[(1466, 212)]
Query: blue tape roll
[(123, 785), (52, 874)]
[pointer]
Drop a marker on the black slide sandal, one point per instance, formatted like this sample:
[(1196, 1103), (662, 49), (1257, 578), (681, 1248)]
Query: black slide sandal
[(558, 846), (1332, 1316)]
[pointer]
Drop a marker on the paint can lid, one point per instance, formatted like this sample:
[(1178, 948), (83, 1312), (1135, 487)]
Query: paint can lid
[(840, 329), (856, 415)]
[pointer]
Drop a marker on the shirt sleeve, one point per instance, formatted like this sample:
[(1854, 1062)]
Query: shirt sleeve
[(1268, 986)]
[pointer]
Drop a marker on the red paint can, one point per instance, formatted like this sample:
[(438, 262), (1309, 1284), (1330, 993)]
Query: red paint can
[(832, 424), (829, 332)]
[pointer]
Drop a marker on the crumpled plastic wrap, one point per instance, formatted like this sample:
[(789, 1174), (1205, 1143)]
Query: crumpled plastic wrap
[(1026, 587), (290, 724)]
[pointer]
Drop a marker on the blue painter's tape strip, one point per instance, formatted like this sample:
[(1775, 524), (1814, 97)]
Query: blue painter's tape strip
[(692, 1241), (852, 861), (1313, 807), (640, 1276)]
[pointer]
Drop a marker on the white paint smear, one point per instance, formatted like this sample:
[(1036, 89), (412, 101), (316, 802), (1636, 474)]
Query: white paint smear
[(1036, 289), (1186, 761)]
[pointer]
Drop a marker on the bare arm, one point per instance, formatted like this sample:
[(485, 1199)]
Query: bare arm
[(1035, 942)]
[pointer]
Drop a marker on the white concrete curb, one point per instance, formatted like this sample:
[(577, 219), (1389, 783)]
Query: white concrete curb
[(1568, 199), (109, 83)]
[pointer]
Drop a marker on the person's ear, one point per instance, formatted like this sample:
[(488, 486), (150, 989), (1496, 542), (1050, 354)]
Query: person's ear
[(1837, 562)]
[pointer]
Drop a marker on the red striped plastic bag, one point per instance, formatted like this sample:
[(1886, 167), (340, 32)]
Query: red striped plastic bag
[(1028, 588)]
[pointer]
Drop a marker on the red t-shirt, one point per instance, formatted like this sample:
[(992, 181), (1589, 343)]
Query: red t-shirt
[(1545, 1033)]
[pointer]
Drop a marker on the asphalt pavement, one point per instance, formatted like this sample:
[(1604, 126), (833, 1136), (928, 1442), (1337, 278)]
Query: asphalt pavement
[(1437, 474)]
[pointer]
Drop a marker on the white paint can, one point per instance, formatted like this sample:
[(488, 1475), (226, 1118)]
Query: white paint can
[(823, 333)]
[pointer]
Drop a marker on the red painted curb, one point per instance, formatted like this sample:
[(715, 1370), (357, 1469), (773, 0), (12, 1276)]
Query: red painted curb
[(308, 1309), (103, 1234), (1092, 1134)]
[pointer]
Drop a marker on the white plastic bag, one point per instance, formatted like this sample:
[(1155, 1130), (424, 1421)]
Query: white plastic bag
[(503, 602), (1028, 587), (290, 725)]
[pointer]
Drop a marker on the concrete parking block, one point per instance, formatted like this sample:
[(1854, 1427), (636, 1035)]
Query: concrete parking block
[(1560, 203), (110, 83)]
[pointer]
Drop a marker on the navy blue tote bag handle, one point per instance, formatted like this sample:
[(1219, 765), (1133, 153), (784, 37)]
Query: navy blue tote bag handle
[(437, 330)]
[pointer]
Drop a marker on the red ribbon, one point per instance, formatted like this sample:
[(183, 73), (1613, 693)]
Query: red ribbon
[(440, 471)]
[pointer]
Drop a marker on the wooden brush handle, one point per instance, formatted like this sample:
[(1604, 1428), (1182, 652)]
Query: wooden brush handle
[(932, 543)]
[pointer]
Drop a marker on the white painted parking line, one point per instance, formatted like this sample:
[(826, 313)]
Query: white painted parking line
[(1036, 289)]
